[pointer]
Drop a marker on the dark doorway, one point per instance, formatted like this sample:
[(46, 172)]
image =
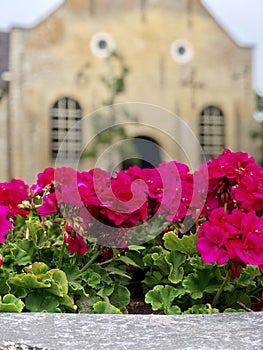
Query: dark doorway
[(147, 153)]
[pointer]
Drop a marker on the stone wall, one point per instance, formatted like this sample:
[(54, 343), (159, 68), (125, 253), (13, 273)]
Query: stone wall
[(228, 331)]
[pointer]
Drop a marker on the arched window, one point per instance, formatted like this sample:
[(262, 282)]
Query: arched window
[(212, 131), (65, 116)]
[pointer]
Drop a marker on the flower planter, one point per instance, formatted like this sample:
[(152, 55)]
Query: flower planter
[(156, 241)]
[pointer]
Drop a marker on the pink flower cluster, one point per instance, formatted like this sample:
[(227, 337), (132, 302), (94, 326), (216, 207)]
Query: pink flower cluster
[(227, 192), (98, 202), (235, 182), (234, 207), (236, 236), (11, 195)]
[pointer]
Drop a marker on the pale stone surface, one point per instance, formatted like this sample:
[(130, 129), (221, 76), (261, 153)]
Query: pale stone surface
[(79, 332)]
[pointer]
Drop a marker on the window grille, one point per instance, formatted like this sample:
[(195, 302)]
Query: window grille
[(65, 116), (212, 132)]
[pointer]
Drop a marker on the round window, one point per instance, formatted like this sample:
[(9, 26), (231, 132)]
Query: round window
[(102, 44), (181, 51)]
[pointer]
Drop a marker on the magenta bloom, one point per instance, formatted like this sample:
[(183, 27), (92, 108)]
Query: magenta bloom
[(235, 181), (250, 248), (154, 182), (5, 224), (237, 236), (49, 205), (12, 194), (46, 178), (125, 201), (177, 190), (211, 243), (249, 192), (76, 244)]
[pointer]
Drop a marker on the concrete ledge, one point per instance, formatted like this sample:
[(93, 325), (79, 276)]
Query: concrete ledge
[(118, 332)]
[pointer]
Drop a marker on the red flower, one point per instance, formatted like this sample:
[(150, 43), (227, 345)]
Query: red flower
[(76, 244), (211, 244), (12, 194), (43, 179), (237, 236), (49, 205), (235, 180), (5, 224)]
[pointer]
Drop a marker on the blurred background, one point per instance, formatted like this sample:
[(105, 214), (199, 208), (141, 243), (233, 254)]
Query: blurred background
[(62, 60)]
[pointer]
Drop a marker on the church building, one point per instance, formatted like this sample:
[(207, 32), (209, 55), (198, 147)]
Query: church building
[(176, 59)]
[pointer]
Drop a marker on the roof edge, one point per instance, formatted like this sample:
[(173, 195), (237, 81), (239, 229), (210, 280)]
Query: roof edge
[(211, 12)]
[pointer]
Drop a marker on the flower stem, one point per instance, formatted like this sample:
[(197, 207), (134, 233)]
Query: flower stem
[(92, 259), (220, 290), (109, 260), (243, 306), (61, 254)]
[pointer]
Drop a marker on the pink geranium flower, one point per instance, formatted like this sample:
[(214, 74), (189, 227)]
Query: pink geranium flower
[(237, 236), (76, 244), (49, 205), (5, 224), (211, 243), (12, 194)]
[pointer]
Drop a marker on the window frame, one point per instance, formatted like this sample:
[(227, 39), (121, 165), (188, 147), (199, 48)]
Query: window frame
[(212, 131), (65, 116)]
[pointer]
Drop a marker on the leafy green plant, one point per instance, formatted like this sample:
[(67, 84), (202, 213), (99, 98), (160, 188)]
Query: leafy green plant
[(178, 281), (92, 242)]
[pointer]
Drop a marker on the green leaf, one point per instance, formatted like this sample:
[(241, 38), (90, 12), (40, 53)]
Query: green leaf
[(156, 258), (4, 276), (19, 292), (42, 302), (85, 304), (201, 309), (59, 283), (186, 244), (173, 310), (38, 234), (153, 278), (77, 288), (9, 303), (102, 272), (175, 259), (137, 258), (154, 251), (199, 282), (15, 255), (128, 261), (238, 296), (115, 271), (106, 291), (103, 307), (247, 277), (39, 268), (25, 252), (68, 302), (136, 247), (161, 297), (73, 273), (94, 279), (160, 261), (120, 296), (229, 309), (30, 281)]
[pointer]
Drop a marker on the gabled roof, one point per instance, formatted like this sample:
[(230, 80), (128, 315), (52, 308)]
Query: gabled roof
[(4, 53)]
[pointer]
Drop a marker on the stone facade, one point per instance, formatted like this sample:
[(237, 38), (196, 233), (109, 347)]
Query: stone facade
[(54, 60)]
